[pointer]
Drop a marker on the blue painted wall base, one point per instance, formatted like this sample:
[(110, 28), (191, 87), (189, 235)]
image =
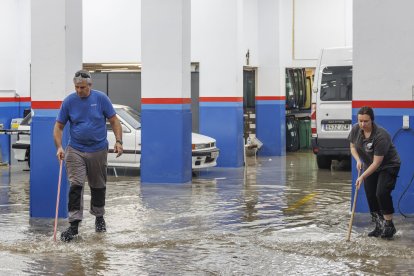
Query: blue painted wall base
[(391, 120), (166, 145), (8, 111), (224, 122), (44, 170), (270, 127)]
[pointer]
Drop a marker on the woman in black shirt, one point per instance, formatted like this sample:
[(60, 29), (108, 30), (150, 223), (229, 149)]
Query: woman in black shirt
[(374, 152)]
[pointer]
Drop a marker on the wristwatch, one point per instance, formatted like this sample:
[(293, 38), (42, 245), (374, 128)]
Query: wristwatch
[(119, 142)]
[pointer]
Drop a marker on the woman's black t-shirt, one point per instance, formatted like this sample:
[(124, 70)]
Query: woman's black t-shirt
[(379, 144)]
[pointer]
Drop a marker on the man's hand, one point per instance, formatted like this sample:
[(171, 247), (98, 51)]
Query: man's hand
[(119, 149), (60, 154)]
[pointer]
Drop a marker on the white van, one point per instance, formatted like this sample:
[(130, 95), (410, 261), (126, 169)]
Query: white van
[(331, 115)]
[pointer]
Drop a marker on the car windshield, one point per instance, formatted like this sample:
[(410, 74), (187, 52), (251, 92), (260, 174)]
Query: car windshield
[(336, 83), (27, 120), (131, 116)]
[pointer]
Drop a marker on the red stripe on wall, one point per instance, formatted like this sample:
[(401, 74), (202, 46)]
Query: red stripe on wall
[(165, 100), (221, 99), (383, 104), (15, 99), (46, 104), (270, 98)]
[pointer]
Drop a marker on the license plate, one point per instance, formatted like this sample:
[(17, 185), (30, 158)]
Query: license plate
[(337, 127), (214, 154)]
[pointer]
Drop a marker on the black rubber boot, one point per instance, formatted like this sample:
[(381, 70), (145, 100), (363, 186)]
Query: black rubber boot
[(71, 232), (389, 230), (379, 225), (100, 225)]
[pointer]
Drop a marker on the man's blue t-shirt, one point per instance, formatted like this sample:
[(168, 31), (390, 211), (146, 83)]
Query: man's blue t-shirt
[(87, 119)]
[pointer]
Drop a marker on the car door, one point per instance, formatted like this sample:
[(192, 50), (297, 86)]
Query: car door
[(128, 158)]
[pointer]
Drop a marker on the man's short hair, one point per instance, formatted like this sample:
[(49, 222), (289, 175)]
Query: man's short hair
[(81, 76)]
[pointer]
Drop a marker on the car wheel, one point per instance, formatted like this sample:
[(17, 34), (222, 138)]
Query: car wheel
[(323, 161)]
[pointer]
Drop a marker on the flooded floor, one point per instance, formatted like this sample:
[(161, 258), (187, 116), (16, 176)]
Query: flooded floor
[(280, 216)]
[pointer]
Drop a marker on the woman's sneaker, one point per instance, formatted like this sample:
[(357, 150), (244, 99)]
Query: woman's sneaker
[(100, 225), (389, 230), (379, 225)]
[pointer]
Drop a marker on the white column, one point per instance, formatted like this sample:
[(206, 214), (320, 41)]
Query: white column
[(23, 49), (166, 49), (56, 47), (270, 98), (269, 74), (56, 55)]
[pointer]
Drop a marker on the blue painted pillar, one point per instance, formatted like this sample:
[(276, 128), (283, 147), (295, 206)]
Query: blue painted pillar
[(270, 125), (389, 114), (44, 170), (44, 166), (166, 141), (222, 119)]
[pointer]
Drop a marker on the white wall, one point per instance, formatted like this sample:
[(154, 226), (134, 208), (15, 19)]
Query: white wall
[(111, 31), (8, 32), (318, 24), (383, 51), (309, 25)]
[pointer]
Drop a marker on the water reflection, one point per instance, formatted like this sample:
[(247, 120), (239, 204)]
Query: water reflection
[(281, 214)]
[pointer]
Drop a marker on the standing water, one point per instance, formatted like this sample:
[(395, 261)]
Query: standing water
[(277, 216)]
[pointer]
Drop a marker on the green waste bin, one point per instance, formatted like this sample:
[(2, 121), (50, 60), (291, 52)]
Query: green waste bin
[(305, 134)]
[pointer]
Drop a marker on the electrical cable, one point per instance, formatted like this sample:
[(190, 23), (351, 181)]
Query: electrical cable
[(412, 178)]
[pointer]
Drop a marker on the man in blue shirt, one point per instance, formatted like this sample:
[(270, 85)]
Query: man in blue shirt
[(86, 110)]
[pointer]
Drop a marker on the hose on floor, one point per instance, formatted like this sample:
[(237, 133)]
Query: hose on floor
[(401, 130)]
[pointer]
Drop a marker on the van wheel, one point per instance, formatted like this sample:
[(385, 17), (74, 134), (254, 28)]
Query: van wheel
[(324, 162)]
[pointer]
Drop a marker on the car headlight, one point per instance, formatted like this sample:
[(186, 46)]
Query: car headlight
[(203, 146)]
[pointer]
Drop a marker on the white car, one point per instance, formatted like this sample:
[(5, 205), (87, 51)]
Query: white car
[(21, 148), (204, 150)]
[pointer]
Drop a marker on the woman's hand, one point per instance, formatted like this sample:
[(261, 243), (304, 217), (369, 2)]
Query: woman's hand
[(359, 181), (358, 166)]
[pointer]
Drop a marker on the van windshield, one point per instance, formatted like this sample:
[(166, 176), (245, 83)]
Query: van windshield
[(336, 84)]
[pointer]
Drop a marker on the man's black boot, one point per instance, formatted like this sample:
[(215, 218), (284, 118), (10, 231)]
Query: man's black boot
[(100, 225), (379, 225), (389, 230), (71, 232)]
